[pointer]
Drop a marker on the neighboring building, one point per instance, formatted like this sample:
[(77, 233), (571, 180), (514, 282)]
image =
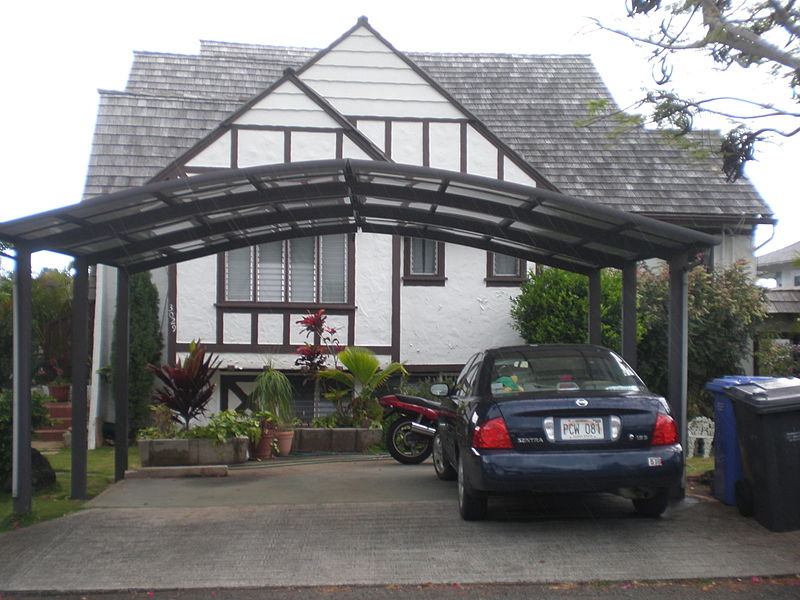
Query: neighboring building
[(782, 265), (426, 303)]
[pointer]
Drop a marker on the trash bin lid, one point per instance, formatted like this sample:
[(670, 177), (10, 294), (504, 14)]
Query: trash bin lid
[(778, 394), (720, 384)]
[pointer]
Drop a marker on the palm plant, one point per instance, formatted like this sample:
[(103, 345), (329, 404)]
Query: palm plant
[(362, 381), (273, 393)]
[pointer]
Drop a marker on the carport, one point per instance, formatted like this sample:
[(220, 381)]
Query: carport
[(177, 220)]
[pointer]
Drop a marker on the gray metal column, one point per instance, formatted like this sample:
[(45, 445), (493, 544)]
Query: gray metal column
[(678, 341), (629, 314), (80, 375), (21, 479), (121, 376), (595, 328)]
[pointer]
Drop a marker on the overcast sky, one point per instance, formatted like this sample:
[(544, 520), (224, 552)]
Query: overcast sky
[(56, 55)]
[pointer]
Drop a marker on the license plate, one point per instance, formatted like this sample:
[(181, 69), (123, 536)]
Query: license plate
[(582, 429)]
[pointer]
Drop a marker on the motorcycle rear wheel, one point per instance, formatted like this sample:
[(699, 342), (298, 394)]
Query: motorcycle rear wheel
[(405, 445)]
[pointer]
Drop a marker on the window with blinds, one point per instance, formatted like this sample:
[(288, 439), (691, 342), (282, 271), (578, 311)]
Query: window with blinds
[(423, 257), (311, 269)]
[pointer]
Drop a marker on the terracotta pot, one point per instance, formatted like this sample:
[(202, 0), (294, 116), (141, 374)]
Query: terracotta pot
[(285, 439), (263, 450), (59, 392)]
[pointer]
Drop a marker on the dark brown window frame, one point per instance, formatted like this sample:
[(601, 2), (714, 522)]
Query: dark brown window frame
[(436, 279), (493, 280)]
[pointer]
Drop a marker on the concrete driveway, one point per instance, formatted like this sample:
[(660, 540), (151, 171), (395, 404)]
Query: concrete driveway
[(358, 520)]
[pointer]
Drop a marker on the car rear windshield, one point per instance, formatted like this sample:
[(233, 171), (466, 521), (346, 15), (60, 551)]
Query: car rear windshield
[(562, 371)]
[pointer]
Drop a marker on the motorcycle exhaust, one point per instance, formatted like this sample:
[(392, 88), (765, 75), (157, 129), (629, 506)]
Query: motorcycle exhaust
[(423, 429)]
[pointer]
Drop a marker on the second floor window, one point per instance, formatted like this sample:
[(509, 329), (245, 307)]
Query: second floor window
[(311, 269)]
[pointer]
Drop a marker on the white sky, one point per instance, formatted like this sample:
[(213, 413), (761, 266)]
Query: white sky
[(54, 55)]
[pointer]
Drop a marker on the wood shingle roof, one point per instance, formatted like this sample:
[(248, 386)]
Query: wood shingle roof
[(531, 102)]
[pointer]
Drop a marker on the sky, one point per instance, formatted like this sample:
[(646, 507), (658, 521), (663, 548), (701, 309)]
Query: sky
[(55, 55)]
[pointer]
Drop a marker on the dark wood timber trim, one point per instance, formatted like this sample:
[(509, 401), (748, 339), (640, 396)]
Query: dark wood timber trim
[(234, 148), (464, 147), (287, 146), (426, 143)]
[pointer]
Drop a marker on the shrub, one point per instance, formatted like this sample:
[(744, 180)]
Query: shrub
[(39, 419)]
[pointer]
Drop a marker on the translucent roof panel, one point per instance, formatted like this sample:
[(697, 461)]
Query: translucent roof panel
[(171, 221)]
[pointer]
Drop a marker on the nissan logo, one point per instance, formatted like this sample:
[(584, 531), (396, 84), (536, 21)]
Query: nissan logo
[(582, 402)]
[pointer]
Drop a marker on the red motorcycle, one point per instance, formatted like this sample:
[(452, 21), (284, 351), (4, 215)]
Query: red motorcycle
[(410, 436)]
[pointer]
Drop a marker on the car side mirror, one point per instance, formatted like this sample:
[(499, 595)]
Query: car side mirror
[(440, 389)]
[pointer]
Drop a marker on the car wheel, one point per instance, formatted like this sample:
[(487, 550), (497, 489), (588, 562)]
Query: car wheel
[(444, 469), (472, 504), (405, 445), (652, 507)]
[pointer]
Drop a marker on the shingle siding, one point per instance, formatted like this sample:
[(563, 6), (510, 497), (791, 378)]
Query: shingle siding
[(531, 102)]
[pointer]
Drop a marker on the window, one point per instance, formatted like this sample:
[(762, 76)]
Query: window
[(424, 262), (797, 281), (502, 269), (310, 269)]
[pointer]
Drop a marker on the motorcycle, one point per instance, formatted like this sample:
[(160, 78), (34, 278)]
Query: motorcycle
[(409, 438)]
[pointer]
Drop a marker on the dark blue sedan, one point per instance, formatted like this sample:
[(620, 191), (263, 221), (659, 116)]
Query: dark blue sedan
[(555, 418)]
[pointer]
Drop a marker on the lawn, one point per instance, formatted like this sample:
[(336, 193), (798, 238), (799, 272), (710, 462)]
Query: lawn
[(55, 501)]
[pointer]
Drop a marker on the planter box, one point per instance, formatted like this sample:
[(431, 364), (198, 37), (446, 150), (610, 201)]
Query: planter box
[(162, 453), (337, 439)]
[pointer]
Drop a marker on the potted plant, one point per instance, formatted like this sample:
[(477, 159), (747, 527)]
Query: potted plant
[(273, 395)]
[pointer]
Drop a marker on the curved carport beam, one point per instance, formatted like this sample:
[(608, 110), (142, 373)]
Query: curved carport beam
[(177, 220)]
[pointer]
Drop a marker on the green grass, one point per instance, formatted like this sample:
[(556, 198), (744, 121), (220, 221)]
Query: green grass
[(698, 465), (55, 501)]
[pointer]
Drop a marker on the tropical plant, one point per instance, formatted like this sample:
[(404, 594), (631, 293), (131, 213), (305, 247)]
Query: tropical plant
[(273, 394), (187, 387), (365, 377)]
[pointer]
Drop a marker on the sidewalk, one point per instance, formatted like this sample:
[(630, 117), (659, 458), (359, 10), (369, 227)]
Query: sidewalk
[(372, 522)]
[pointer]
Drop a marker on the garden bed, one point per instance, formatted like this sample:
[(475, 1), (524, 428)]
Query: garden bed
[(198, 451), (337, 439)]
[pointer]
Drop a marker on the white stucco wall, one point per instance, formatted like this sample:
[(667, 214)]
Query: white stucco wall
[(445, 325), (196, 295), (733, 248), (373, 290)]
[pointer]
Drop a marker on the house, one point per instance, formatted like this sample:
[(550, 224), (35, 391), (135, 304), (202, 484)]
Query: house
[(420, 300), (782, 265)]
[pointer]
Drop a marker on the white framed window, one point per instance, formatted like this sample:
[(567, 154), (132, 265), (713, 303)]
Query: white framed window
[(300, 270)]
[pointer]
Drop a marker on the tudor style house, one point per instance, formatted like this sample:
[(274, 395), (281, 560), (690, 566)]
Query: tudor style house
[(427, 303)]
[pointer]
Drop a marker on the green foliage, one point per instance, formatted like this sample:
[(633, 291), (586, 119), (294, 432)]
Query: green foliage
[(51, 314), (725, 311), (187, 387), (273, 393), (360, 384), (39, 419), (777, 359), (221, 427), (144, 348), (553, 307)]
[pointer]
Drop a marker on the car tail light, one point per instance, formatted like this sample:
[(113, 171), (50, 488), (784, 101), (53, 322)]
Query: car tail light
[(666, 431), (492, 434)]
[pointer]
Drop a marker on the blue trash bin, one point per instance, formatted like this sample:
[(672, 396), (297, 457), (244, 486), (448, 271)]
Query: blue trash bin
[(727, 457)]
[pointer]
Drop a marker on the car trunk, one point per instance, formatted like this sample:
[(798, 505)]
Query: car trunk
[(580, 422)]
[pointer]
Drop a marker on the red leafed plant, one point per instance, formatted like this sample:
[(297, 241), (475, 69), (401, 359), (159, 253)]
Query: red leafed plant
[(187, 387)]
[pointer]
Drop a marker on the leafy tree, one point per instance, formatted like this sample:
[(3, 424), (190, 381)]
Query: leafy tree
[(39, 419), (746, 34), (51, 312), (144, 348), (554, 308), (725, 311)]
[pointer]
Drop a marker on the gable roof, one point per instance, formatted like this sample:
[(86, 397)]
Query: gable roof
[(787, 254), (530, 102)]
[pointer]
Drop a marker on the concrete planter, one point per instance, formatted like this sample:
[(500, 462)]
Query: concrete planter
[(161, 453), (338, 439)]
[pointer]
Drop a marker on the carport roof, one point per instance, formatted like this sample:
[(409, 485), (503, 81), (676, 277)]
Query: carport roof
[(176, 220)]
